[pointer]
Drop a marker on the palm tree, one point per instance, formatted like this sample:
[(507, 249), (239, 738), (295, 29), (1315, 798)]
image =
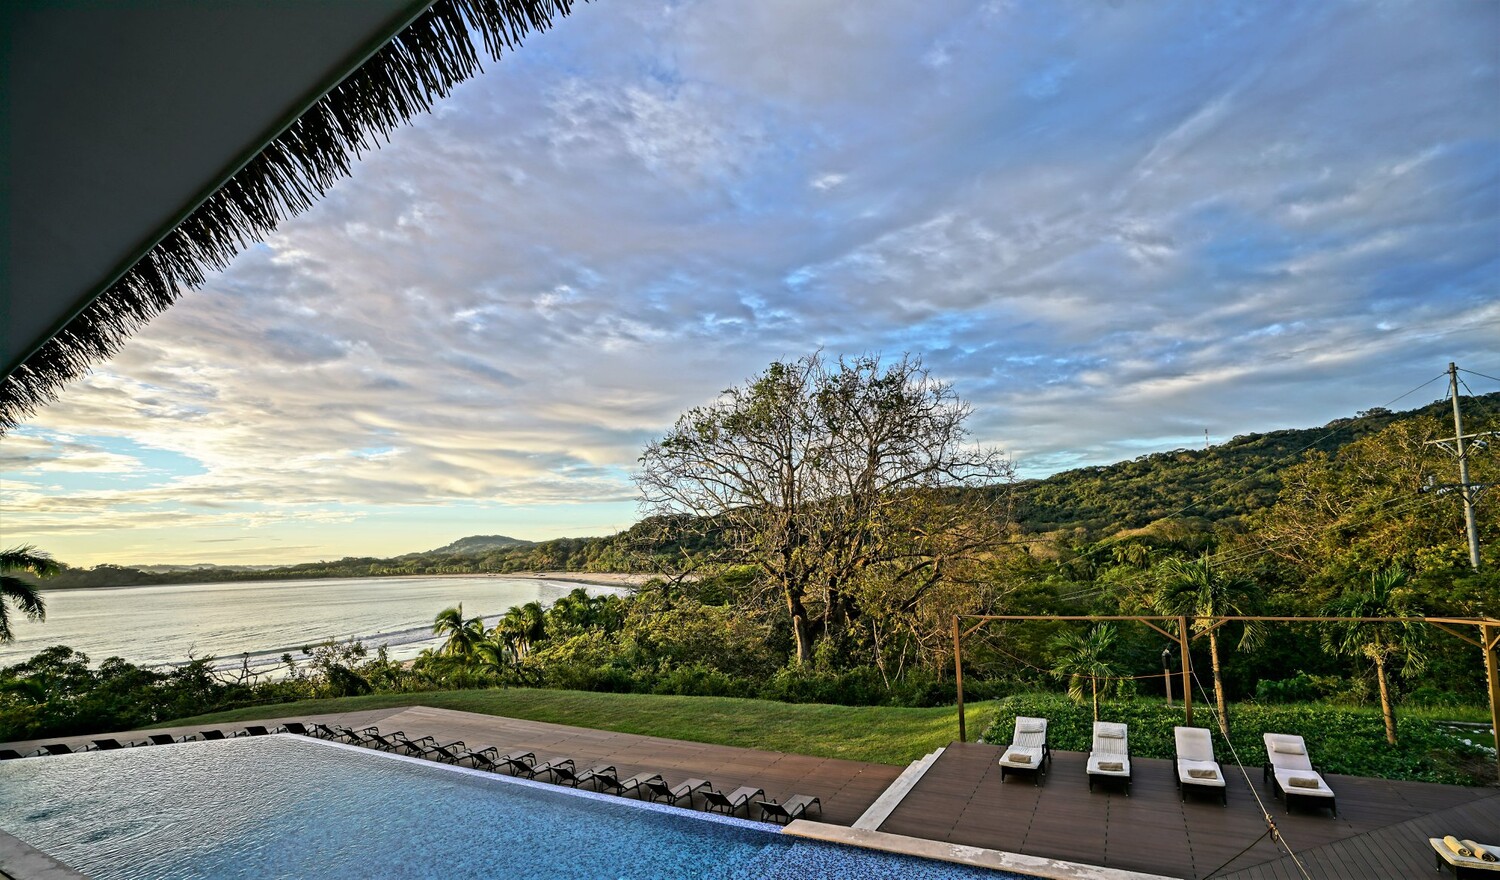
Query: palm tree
[(576, 609), (463, 635), (522, 626), (1379, 642), (1086, 658), (1202, 590), (21, 593), (493, 655)]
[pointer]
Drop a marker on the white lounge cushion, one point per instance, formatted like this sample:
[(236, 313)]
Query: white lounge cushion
[(1284, 779), (1030, 731), (1031, 757), (1122, 763), (1194, 744), (1287, 752), (1185, 775)]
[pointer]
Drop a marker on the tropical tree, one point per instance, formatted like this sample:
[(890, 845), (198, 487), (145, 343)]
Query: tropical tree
[(1086, 658), (803, 471), (1201, 589), (19, 592), (463, 634), (522, 626), (1386, 596), (577, 609), (493, 655)]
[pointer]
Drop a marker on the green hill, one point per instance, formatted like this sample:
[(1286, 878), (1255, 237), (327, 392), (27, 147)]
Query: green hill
[(477, 544), (1222, 482)]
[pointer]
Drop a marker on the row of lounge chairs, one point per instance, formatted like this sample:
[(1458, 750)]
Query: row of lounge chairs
[(155, 739), (563, 771), (1288, 768), (560, 770)]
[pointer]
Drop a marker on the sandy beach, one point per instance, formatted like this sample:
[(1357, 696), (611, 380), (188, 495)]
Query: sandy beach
[(588, 577)]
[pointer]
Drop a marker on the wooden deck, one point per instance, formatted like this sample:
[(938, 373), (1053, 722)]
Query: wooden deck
[(1381, 830)]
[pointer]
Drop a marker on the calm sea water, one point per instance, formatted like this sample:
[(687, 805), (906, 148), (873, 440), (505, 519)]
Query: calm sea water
[(167, 624)]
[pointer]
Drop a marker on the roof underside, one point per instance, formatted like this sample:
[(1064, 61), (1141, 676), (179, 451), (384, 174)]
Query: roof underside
[(122, 116), (146, 143)]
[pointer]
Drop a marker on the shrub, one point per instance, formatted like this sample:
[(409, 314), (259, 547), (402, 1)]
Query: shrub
[(1340, 740)]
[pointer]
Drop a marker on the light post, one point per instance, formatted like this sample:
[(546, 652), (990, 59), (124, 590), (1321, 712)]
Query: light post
[(1166, 673)]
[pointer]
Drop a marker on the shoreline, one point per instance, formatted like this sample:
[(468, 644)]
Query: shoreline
[(589, 578), (622, 580)]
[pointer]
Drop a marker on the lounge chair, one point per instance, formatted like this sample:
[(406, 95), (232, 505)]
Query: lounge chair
[(552, 766), (715, 801), (609, 781), (413, 746), (518, 763), (253, 730), (1196, 767), (384, 742), (1110, 756), (795, 807), (1292, 771), (1466, 858), (211, 734), (658, 789), (107, 745), (323, 731), (296, 727), (10, 755), (568, 777), (449, 753), (1028, 751), (52, 749), (351, 736), (165, 739)]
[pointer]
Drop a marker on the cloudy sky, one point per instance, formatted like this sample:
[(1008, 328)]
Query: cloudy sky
[(1112, 226)]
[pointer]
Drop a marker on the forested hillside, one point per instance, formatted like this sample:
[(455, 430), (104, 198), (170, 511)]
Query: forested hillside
[(1222, 482)]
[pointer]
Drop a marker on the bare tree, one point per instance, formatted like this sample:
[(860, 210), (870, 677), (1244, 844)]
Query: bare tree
[(819, 472)]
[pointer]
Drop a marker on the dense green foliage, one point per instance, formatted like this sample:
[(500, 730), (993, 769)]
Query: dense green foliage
[(1340, 740)]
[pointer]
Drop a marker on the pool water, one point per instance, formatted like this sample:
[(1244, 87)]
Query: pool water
[(287, 806)]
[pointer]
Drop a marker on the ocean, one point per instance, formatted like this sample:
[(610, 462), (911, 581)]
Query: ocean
[(167, 624)]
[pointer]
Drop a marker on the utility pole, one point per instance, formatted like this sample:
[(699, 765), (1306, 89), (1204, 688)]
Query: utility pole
[(1467, 490)]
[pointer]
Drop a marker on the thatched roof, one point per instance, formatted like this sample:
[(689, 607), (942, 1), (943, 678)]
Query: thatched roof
[(435, 46)]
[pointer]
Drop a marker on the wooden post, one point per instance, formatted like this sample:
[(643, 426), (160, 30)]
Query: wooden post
[(1490, 637), (1187, 669), (958, 679)]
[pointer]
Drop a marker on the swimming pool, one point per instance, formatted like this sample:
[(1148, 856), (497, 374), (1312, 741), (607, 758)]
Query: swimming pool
[(287, 806)]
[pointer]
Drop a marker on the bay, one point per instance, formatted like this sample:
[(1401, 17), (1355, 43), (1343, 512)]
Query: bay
[(157, 625)]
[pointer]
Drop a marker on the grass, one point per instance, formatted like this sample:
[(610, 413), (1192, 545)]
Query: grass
[(878, 734)]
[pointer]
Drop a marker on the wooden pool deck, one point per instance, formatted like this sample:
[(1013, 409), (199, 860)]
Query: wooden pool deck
[(1381, 830)]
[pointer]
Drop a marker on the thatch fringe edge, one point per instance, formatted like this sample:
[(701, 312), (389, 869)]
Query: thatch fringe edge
[(419, 66)]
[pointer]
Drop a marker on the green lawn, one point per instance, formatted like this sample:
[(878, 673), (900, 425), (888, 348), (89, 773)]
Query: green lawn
[(859, 733)]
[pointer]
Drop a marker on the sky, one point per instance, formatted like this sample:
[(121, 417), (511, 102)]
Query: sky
[(1113, 227)]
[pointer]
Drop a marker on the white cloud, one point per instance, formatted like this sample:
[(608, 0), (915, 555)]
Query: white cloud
[(1110, 226)]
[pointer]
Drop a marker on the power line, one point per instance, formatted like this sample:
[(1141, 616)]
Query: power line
[(1477, 373)]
